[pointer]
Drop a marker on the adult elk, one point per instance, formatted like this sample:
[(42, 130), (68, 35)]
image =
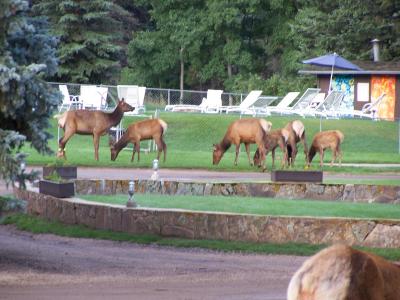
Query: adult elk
[(246, 131), (89, 122), (297, 133), (343, 273), (272, 140), (139, 131), (323, 140)]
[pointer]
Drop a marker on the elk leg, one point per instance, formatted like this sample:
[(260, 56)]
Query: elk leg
[(262, 151), (340, 155), (237, 153), (294, 153), (160, 148), (247, 146), (334, 155), (137, 149), (96, 139), (133, 152), (321, 157), (62, 142), (273, 158)]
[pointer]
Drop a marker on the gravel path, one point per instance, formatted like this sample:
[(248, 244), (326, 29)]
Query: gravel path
[(52, 267)]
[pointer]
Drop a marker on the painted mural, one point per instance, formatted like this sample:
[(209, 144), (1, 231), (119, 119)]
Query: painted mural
[(345, 84), (384, 84)]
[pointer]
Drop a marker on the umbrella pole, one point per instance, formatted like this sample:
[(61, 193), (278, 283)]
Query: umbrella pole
[(330, 80)]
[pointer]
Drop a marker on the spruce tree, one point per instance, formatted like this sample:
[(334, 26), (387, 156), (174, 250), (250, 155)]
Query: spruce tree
[(27, 57)]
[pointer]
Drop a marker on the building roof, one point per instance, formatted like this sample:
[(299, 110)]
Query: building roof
[(368, 68)]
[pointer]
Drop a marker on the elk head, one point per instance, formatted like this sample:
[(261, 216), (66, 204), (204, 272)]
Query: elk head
[(217, 154), (125, 107)]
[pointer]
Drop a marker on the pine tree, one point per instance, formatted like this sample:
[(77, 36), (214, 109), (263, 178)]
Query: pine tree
[(27, 57), (89, 50)]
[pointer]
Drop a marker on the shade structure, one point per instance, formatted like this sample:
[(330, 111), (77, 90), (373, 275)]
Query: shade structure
[(334, 61)]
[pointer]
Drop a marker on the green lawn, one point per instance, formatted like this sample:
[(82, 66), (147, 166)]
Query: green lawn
[(190, 138), (261, 206)]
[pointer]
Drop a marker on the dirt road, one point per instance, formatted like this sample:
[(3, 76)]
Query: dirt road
[(51, 267)]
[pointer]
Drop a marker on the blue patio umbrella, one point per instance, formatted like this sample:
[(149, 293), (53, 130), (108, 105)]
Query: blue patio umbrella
[(334, 61)]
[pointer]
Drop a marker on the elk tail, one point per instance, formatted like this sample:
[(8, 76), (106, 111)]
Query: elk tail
[(61, 119), (163, 125), (341, 136)]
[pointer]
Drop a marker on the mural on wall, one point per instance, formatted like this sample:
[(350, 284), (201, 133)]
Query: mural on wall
[(345, 83), (384, 84)]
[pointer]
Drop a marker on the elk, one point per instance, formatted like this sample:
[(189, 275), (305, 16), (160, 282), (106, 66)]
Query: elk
[(323, 140), (297, 133), (139, 131), (272, 140), (246, 131), (89, 122), (340, 272)]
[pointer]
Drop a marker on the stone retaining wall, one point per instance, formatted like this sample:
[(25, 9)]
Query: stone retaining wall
[(205, 225), (334, 192)]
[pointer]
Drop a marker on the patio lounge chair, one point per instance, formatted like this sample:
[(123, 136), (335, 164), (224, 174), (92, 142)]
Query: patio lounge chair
[(245, 106), (69, 101), (133, 95), (330, 107), (209, 104), (303, 102), (93, 97), (369, 110)]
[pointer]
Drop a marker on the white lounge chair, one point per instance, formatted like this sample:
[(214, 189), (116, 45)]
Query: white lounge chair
[(133, 95), (209, 104), (303, 102), (245, 106), (330, 107), (93, 97), (369, 110), (283, 104), (312, 106), (69, 101)]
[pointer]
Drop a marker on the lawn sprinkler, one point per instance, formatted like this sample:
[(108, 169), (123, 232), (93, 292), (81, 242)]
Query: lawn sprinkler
[(154, 176), (131, 191)]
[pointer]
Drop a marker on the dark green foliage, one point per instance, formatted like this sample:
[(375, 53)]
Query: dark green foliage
[(27, 58), (90, 38)]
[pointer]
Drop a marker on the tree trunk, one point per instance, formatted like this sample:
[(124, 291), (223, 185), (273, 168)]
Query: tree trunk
[(229, 76)]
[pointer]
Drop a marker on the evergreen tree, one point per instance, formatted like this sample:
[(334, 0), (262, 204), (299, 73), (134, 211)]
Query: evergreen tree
[(27, 57), (90, 37)]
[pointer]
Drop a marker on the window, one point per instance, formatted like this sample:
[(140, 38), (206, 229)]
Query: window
[(363, 92)]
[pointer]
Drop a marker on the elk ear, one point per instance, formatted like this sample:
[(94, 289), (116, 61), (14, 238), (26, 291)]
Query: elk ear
[(122, 100), (214, 147)]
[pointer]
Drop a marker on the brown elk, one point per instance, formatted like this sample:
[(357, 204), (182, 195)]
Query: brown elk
[(272, 140), (139, 131), (323, 140), (246, 131), (343, 273), (89, 122), (297, 133)]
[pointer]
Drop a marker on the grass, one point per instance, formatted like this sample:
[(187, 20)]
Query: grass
[(260, 206), (190, 138), (37, 225)]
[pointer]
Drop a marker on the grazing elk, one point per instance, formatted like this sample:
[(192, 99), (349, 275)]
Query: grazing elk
[(297, 133), (246, 131), (272, 140), (323, 140), (89, 122), (139, 131), (343, 273)]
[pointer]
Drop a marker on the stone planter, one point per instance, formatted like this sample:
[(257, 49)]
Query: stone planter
[(297, 176), (57, 189), (65, 172)]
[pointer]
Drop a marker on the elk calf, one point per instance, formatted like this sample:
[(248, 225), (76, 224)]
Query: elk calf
[(139, 131), (247, 131), (272, 140), (331, 139), (343, 273), (89, 122)]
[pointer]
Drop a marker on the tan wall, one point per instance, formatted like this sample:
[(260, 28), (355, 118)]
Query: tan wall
[(222, 226)]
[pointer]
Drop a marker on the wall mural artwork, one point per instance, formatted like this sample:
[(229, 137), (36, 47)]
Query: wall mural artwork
[(384, 84), (345, 84)]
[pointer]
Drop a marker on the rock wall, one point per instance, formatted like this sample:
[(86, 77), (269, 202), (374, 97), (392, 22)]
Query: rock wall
[(333, 192), (204, 225)]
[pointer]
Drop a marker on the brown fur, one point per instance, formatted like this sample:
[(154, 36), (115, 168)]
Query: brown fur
[(343, 273), (272, 140), (89, 122), (297, 133), (139, 131), (247, 131), (323, 140)]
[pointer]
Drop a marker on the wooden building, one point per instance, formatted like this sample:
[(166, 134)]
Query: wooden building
[(361, 87)]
